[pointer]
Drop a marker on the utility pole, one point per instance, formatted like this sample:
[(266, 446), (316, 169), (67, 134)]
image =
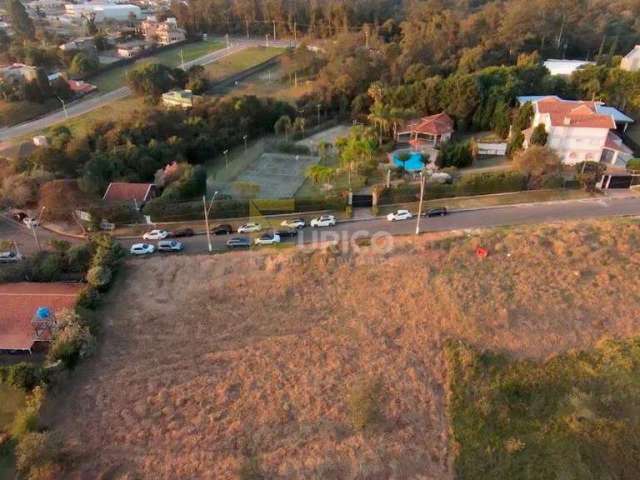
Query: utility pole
[(366, 38), (295, 31), (318, 109), (64, 108), (226, 37), (206, 221), (244, 137), (274, 31), (266, 43), (422, 179), (181, 59), (226, 158)]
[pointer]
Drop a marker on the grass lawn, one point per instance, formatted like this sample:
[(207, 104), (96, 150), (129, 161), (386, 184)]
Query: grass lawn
[(115, 78), (13, 113), (574, 416), (241, 60), (482, 201), (270, 83)]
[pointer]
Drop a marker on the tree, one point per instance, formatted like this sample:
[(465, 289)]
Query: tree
[(153, 79), (321, 174), (538, 163), (283, 126), (539, 136), (298, 124), (20, 21), (457, 155), (82, 64)]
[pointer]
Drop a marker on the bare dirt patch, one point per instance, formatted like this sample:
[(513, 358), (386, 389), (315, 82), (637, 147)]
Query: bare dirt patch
[(209, 361)]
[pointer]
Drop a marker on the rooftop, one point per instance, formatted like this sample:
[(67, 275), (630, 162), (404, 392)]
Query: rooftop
[(438, 124), (125, 191), (600, 107), (19, 304)]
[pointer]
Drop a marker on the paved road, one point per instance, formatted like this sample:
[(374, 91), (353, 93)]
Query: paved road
[(80, 107), (23, 236), (483, 218)]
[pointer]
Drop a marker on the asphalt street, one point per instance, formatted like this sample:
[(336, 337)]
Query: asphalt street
[(470, 219), (80, 107)]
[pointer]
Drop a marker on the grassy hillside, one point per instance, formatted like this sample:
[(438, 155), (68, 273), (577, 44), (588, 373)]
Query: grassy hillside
[(575, 416), (329, 363)]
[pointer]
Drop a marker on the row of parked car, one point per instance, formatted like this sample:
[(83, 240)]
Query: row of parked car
[(162, 246), (406, 214)]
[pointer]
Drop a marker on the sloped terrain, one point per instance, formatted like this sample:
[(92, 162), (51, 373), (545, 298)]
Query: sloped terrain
[(210, 364)]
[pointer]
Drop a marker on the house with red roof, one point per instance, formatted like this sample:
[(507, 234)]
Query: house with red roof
[(129, 192), (427, 131), (579, 131), (28, 313)]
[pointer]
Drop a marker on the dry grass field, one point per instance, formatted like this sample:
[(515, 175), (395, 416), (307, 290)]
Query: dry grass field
[(209, 364)]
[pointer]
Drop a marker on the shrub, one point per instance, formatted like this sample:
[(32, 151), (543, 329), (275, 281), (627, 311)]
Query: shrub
[(27, 418), (78, 258), (457, 155), (99, 276), (491, 182), (88, 298), (25, 376), (364, 403), (289, 148), (633, 164), (35, 452), (47, 266), (72, 341)]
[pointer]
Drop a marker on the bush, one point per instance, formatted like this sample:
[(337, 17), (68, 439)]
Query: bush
[(24, 376), (47, 266), (457, 155), (364, 403), (88, 298), (99, 277), (78, 258), (27, 418), (289, 148), (35, 452), (72, 341), (491, 182), (633, 164)]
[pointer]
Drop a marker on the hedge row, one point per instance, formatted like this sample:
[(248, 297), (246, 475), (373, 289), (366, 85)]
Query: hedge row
[(163, 211), (476, 184), (23, 375)]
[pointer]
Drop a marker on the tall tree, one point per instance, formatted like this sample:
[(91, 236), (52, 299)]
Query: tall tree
[(21, 23)]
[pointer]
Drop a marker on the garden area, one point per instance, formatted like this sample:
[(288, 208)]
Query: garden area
[(241, 60)]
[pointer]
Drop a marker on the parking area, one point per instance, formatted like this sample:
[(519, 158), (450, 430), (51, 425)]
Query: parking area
[(278, 175)]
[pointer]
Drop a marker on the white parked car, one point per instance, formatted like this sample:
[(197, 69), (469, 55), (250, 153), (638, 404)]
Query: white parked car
[(156, 235), (399, 215), (249, 228), (268, 239), (142, 249), (10, 257), (170, 246), (293, 223), (31, 222), (323, 221)]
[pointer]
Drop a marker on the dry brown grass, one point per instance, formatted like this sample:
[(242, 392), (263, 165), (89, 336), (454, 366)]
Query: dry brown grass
[(210, 362)]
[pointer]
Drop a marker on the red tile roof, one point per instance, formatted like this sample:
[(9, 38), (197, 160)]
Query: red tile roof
[(19, 302), (438, 124), (78, 86), (124, 191), (570, 113)]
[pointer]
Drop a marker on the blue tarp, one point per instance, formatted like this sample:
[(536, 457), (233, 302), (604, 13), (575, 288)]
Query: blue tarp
[(413, 164)]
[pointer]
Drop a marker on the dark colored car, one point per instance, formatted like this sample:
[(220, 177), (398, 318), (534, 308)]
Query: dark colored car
[(287, 233), (19, 216), (223, 229), (437, 212), (239, 242), (182, 232)]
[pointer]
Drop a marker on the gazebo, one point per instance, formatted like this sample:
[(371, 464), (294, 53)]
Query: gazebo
[(427, 131)]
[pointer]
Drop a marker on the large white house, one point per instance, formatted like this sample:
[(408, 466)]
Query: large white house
[(631, 61), (579, 131)]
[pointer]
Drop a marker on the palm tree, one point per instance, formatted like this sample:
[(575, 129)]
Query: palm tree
[(380, 116)]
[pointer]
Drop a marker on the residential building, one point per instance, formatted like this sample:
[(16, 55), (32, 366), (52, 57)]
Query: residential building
[(565, 67), (178, 98), (28, 313), (103, 11), (427, 131), (131, 49), (85, 44), (164, 33), (577, 131), (631, 61), (129, 192)]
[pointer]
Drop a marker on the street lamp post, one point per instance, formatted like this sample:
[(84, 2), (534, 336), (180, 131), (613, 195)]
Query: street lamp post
[(226, 158), (244, 137), (274, 31), (266, 37), (318, 110), (64, 108), (422, 180), (207, 210)]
